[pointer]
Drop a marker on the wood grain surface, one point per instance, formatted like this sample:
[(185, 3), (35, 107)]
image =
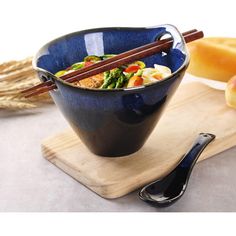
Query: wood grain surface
[(195, 108)]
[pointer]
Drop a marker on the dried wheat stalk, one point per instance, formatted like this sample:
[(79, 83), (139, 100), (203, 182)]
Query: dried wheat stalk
[(14, 77), (8, 67)]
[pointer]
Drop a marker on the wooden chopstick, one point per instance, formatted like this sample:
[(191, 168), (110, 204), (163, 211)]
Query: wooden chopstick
[(119, 56), (119, 60), (79, 75)]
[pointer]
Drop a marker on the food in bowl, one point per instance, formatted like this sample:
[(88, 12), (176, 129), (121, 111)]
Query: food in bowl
[(126, 76)]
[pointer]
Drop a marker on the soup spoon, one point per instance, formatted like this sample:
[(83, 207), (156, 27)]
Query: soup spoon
[(169, 189)]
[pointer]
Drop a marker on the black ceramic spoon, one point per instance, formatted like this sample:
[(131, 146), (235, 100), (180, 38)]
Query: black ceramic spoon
[(169, 189)]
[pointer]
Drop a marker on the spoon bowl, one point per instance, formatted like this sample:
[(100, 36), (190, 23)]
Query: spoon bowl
[(169, 189)]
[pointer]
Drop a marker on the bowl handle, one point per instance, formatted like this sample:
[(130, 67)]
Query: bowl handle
[(45, 76), (178, 39)]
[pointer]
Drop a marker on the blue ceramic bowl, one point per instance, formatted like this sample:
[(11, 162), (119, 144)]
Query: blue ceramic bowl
[(112, 122)]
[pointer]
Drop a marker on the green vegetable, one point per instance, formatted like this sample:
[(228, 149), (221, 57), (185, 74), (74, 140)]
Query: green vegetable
[(92, 58), (106, 56), (107, 79), (139, 73), (60, 73), (111, 76), (140, 64), (116, 73), (77, 66), (129, 75), (112, 85), (121, 81)]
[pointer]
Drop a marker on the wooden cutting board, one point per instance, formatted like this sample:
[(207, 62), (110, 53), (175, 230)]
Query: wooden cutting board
[(195, 108)]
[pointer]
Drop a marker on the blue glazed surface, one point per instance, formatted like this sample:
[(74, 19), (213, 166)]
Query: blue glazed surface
[(117, 122)]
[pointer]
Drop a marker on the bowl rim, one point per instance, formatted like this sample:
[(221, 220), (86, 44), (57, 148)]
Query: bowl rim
[(181, 68)]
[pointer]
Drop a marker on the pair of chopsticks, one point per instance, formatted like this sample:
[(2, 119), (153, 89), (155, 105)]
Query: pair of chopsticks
[(114, 62)]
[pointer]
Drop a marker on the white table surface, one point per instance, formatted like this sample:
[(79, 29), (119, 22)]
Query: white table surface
[(28, 182)]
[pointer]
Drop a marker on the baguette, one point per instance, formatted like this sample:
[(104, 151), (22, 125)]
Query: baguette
[(213, 58)]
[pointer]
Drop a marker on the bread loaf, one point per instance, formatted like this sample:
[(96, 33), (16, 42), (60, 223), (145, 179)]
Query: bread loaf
[(230, 92), (213, 58)]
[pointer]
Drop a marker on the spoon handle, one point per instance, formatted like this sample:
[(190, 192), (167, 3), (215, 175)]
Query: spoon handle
[(198, 146)]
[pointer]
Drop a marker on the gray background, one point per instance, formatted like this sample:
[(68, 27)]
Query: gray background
[(30, 183)]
